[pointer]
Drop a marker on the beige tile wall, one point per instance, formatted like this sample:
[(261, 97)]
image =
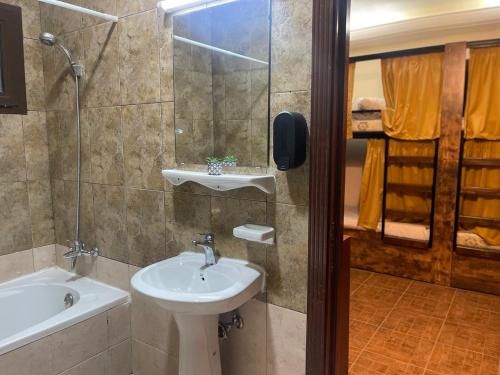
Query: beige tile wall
[(26, 219)]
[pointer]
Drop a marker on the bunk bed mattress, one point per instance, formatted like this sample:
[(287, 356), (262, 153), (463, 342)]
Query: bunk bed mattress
[(469, 239)]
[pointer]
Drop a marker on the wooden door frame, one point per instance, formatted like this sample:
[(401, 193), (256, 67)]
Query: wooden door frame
[(328, 265)]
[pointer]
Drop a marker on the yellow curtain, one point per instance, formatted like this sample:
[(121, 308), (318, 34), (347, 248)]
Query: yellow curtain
[(372, 185), (409, 174), (483, 99), (412, 91), (350, 90), (486, 178)]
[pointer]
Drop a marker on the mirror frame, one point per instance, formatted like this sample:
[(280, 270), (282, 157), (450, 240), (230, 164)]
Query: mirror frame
[(13, 98)]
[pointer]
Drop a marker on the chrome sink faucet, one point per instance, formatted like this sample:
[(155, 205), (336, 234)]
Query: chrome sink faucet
[(208, 246), (79, 249)]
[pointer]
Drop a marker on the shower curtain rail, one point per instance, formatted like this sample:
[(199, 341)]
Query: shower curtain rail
[(216, 49), (80, 9)]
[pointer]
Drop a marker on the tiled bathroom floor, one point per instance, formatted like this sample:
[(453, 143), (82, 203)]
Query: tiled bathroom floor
[(399, 326)]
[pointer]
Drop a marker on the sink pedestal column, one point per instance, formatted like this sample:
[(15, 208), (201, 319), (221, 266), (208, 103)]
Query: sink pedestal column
[(199, 352)]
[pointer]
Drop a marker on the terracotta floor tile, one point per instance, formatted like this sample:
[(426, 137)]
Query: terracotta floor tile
[(359, 276), (398, 284), (432, 291), (469, 314), (377, 296), (449, 360), (368, 313), (360, 333), (425, 306), (375, 364), (353, 355), (413, 324), (492, 345), (480, 300), (402, 347), (462, 337)]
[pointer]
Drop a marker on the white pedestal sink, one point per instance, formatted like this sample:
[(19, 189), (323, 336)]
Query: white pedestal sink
[(196, 296)]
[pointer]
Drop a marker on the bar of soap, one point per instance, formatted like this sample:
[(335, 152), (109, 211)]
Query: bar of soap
[(255, 233)]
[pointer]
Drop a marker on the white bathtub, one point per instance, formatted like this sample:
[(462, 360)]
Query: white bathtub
[(33, 306)]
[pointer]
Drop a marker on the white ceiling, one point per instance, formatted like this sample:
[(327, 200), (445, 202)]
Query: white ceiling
[(366, 13)]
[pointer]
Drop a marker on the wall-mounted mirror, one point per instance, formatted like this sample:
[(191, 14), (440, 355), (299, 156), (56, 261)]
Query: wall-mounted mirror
[(221, 83)]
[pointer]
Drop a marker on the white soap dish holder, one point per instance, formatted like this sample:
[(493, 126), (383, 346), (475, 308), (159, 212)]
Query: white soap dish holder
[(255, 233)]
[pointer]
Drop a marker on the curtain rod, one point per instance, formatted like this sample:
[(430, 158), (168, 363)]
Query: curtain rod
[(80, 9), (401, 53), (223, 51)]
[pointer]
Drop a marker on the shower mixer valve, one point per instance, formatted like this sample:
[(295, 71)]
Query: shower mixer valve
[(79, 249)]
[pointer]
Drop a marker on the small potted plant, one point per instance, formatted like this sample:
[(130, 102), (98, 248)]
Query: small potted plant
[(214, 166), (230, 161)]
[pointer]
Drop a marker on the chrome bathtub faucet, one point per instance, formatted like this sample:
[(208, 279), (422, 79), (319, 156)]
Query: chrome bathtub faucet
[(208, 246), (79, 249)]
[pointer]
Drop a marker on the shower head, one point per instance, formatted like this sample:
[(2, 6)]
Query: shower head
[(50, 40), (47, 38)]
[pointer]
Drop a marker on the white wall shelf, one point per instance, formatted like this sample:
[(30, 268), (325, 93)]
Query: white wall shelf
[(223, 182)]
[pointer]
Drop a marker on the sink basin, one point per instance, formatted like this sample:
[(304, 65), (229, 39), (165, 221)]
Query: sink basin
[(196, 296)]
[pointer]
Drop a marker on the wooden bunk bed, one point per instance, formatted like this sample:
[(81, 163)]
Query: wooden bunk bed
[(364, 127), (462, 247)]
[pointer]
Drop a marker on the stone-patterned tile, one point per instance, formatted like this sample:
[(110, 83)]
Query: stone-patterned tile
[(376, 296), (33, 70), (41, 214), (145, 226), (15, 226), (60, 21), (367, 312), (104, 6), (431, 291), (291, 41), (244, 352), (142, 146), (147, 360), (260, 94), (187, 215), (102, 70), (33, 359), (287, 259), (413, 324), (44, 257), (389, 282), (112, 272), (110, 221), (118, 324), (12, 161), (286, 341), (54, 145), (238, 140), (227, 214), (373, 364), (402, 347), (139, 57), (120, 359), (106, 145), (165, 31), (163, 334), (360, 334), (260, 142), (36, 146), (79, 342), (449, 360), (127, 7), (15, 265), (425, 306)]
